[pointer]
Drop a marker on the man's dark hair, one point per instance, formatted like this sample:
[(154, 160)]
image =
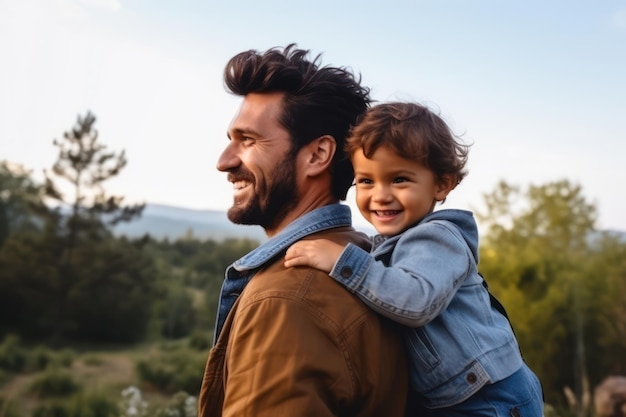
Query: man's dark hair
[(318, 100)]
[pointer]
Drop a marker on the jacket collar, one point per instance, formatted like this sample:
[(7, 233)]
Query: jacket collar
[(323, 218)]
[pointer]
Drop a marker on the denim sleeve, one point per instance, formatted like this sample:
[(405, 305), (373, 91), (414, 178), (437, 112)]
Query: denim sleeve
[(429, 264)]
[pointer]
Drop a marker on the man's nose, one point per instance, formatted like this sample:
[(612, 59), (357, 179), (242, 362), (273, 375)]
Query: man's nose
[(228, 160)]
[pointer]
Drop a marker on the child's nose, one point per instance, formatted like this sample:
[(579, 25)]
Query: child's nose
[(382, 194)]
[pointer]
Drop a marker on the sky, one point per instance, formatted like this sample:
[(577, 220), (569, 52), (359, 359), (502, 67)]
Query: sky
[(537, 87)]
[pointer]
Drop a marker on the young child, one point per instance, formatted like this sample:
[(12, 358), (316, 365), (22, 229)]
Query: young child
[(422, 270)]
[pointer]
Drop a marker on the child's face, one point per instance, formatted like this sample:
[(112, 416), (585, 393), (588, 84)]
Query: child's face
[(394, 193)]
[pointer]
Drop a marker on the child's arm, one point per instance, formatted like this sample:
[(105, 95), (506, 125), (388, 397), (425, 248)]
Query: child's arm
[(428, 266), (318, 253)]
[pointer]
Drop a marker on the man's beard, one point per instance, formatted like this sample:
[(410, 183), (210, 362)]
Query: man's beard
[(273, 200)]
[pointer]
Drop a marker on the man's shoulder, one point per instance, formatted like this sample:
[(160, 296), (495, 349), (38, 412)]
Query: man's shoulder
[(343, 236), (300, 284), (305, 287), (310, 297)]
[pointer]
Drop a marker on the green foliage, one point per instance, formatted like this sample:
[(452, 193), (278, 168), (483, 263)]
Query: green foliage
[(9, 408), (54, 383), (181, 405), (93, 360), (172, 371), (54, 410), (85, 164), (20, 200), (113, 302), (177, 313), (40, 358), (199, 341), (18, 195), (72, 278), (605, 305), (191, 265), (88, 258), (4, 378), (561, 286), (93, 405), (12, 356), (65, 357), (16, 358)]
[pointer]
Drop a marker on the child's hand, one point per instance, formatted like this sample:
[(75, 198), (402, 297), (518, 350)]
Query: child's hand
[(319, 253)]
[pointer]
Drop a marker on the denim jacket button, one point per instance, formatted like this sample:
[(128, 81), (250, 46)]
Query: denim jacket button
[(346, 272), (471, 378)]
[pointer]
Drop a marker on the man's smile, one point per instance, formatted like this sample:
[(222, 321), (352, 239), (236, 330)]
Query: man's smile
[(239, 185)]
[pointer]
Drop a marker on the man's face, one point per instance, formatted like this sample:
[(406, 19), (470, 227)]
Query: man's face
[(259, 163)]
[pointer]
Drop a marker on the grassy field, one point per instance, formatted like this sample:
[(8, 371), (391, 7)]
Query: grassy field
[(70, 377)]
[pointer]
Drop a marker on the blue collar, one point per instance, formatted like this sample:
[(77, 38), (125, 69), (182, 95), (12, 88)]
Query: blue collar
[(323, 218)]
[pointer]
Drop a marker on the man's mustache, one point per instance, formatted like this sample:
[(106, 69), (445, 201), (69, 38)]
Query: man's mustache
[(240, 175)]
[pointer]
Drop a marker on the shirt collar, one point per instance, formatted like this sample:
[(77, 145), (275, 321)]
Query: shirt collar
[(323, 218)]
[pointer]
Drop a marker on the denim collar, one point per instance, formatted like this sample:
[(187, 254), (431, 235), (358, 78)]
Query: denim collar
[(241, 271), (323, 218)]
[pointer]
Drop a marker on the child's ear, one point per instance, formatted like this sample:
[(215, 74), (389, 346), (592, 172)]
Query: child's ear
[(319, 154), (445, 184)]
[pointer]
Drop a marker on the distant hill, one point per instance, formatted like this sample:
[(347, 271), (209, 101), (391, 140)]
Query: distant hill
[(162, 221)]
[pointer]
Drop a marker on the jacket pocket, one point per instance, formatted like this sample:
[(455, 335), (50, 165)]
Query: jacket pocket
[(421, 351)]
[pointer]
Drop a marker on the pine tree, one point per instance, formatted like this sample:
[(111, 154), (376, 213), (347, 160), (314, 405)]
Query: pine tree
[(85, 164)]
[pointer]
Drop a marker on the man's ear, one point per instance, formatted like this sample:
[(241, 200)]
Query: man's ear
[(445, 184), (318, 154)]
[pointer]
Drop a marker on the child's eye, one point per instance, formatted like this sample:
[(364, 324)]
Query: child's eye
[(399, 180), (363, 181)]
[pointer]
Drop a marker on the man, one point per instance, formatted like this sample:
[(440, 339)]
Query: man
[(293, 342)]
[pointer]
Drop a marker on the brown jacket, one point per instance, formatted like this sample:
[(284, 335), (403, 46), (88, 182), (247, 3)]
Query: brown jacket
[(298, 344)]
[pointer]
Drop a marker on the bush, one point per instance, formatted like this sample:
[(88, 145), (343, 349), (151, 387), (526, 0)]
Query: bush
[(181, 370), (54, 384), (65, 357), (180, 405), (94, 405), (93, 360), (200, 341), (53, 410), (8, 408), (39, 358), (4, 378), (12, 355)]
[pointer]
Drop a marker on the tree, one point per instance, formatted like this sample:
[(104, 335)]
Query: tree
[(75, 275), (18, 195), (539, 258), (85, 164)]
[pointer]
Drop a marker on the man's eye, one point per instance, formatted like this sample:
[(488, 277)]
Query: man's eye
[(247, 140)]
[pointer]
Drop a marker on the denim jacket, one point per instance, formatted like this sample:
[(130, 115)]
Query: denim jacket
[(239, 273), (426, 278)]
